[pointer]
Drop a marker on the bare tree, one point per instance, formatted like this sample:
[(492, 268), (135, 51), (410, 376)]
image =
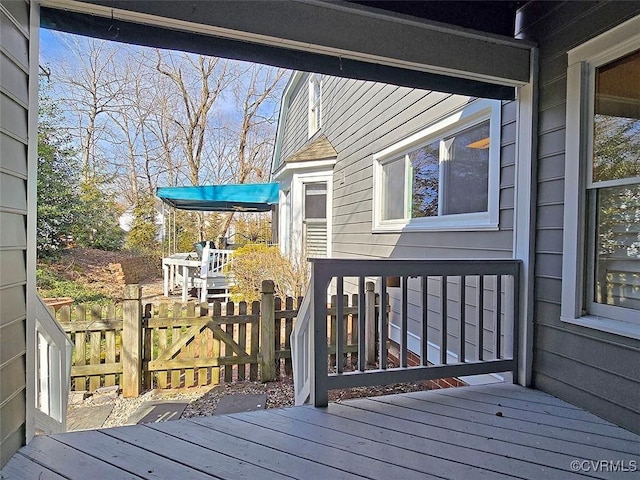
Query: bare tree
[(200, 82), (90, 88), (152, 118), (255, 94)]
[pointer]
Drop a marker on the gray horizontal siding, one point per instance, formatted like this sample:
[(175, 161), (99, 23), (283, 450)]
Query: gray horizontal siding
[(362, 118), (14, 98), (13, 152), (593, 369), (296, 127)]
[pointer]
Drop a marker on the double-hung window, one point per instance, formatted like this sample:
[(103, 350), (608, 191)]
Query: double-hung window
[(315, 219), (601, 270), (443, 177), (315, 103)]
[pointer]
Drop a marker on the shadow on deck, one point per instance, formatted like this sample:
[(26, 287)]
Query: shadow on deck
[(490, 431)]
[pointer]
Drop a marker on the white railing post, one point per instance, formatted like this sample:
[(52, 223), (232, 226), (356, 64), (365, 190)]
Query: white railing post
[(53, 371), (302, 350)]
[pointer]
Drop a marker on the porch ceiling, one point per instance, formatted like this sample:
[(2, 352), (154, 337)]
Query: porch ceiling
[(336, 38)]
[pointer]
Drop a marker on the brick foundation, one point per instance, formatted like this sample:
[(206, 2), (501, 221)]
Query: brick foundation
[(413, 360)]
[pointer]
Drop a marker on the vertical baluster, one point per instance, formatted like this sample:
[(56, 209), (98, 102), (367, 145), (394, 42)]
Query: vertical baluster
[(497, 341), (463, 313), (516, 322), (443, 312), (404, 323), (383, 324), (480, 294), (361, 325), (352, 320), (339, 335), (331, 330), (425, 322)]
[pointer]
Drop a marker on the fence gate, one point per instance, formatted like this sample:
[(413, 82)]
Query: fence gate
[(184, 346)]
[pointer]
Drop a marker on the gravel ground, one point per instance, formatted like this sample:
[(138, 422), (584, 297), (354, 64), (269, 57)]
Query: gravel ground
[(203, 400)]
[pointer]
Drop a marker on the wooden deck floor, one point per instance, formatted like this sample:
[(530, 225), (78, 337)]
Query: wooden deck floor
[(492, 431)]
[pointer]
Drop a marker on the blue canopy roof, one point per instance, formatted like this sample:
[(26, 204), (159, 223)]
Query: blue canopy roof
[(256, 197)]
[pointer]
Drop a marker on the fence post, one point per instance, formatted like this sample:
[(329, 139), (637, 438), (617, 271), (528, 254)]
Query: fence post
[(131, 341), (370, 324), (267, 333)]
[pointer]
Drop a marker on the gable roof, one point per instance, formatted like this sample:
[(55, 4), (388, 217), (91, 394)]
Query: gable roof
[(319, 149)]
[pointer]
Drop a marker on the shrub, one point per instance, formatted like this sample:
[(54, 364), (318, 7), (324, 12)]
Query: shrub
[(253, 263)]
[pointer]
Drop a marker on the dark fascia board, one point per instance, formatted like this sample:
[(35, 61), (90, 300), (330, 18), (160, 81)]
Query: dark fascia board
[(310, 35)]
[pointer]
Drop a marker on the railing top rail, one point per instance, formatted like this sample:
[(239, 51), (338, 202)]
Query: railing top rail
[(347, 267)]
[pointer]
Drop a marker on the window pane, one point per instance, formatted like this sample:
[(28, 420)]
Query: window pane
[(426, 172), (315, 200), (616, 136), (617, 263), (393, 176), (466, 171)]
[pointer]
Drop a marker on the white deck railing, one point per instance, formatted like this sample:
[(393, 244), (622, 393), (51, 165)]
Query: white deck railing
[(53, 372), (186, 271), (301, 350), (463, 314)]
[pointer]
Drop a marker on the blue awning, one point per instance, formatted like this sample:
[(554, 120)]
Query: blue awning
[(257, 197)]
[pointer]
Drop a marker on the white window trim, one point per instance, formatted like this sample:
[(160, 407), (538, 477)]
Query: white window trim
[(473, 113), (315, 123), (583, 59)]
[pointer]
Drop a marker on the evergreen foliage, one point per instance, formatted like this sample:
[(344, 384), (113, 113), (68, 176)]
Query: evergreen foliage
[(58, 173)]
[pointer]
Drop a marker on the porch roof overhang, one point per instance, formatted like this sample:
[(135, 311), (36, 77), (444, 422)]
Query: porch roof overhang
[(222, 198), (336, 38)]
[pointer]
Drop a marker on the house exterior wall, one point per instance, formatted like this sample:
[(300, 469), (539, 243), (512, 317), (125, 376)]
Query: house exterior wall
[(362, 118), (14, 102), (587, 367)]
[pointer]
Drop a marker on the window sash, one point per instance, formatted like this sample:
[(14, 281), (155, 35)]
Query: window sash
[(472, 115), (315, 101), (576, 255)]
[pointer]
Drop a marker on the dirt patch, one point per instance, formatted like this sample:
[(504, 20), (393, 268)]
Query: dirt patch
[(96, 270)]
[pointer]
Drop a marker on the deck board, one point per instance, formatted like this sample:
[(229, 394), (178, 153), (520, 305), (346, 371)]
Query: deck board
[(130, 457), (583, 425), (490, 398), (479, 451), (198, 457), (453, 433), (23, 467), (400, 462), (272, 457), (557, 430)]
